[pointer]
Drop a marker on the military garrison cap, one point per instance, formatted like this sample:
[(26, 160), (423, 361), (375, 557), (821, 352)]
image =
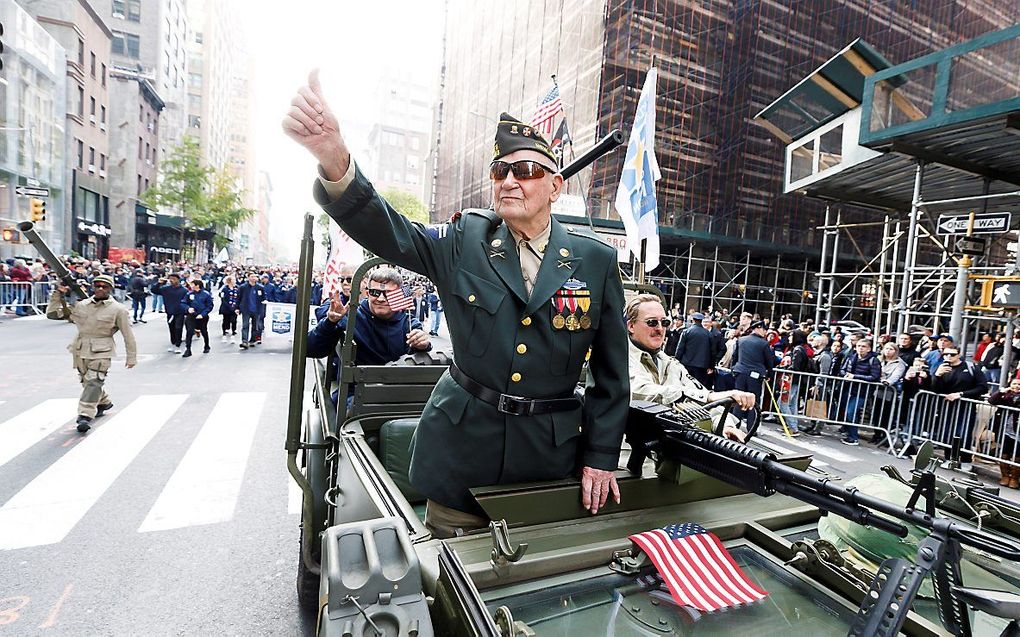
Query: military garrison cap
[(513, 135)]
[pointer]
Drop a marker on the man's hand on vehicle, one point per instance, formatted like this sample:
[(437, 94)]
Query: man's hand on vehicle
[(743, 399), (596, 485), (311, 123)]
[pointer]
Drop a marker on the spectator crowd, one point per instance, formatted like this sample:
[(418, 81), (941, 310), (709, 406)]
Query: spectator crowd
[(811, 379)]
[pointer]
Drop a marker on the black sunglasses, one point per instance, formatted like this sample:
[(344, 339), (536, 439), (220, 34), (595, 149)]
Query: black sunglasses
[(950, 353), (522, 169), (376, 292), (346, 279), (657, 322)]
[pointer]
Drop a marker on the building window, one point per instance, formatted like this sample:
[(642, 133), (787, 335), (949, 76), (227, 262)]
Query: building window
[(104, 76), (81, 53), (81, 154), (81, 102), (102, 162), (138, 188), (118, 9), (141, 113), (102, 115), (92, 157), (92, 109), (125, 44), (134, 10), (139, 148), (92, 63)]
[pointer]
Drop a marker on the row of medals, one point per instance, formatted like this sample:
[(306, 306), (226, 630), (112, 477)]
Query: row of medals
[(571, 322)]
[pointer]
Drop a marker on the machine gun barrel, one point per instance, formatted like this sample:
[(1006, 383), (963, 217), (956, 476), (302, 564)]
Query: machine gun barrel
[(604, 145), (763, 474), (28, 228)]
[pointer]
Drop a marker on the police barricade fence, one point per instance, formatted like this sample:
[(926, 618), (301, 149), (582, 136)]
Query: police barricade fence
[(805, 398), (41, 291), (18, 296), (963, 425)]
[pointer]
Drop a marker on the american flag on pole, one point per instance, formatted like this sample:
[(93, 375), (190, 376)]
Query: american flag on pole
[(399, 299), (697, 568), (548, 109)]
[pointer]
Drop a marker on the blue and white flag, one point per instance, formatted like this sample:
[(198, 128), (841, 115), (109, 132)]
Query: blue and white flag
[(635, 197)]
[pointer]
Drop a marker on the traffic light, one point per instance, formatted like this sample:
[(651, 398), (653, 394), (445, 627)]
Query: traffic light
[(38, 207), (12, 235)]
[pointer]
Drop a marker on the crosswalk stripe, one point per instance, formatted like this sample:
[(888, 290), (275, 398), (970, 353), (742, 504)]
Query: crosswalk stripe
[(204, 487), (816, 449), (46, 510), (31, 426)]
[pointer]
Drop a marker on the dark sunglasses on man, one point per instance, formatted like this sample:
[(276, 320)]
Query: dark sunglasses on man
[(346, 279), (664, 323), (522, 169), (375, 292), (944, 354)]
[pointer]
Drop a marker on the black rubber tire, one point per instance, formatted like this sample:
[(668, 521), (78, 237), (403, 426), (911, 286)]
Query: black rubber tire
[(307, 581)]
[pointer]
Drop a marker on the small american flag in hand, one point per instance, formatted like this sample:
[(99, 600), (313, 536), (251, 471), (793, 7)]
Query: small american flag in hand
[(697, 568), (399, 299)]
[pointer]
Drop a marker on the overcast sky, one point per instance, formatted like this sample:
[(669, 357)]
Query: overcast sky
[(351, 43)]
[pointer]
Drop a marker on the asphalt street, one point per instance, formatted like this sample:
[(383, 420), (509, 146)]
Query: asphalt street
[(178, 519), (175, 515)]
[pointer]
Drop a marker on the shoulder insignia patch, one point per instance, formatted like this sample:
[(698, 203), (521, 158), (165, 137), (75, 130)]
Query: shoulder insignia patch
[(437, 230)]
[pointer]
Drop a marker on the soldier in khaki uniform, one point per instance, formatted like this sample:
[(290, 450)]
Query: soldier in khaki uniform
[(98, 318)]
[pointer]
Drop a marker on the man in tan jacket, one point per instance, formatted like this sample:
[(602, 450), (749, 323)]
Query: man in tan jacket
[(98, 318), (662, 379)]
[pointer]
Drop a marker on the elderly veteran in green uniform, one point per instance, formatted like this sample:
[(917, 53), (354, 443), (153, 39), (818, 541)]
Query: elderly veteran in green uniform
[(662, 379), (97, 318), (525, 300)]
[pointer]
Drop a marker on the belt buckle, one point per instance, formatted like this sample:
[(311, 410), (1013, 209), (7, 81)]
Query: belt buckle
[(514, 405)]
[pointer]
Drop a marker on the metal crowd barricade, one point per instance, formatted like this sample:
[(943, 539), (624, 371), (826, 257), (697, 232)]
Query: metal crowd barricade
[(41, 290), (964, 425), (18, 295), (870, 406)]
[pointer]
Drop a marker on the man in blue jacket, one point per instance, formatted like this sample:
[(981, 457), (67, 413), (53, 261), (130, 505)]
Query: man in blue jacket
[(753, 361), (173, 294), (696, 351), (381, 334), (861, 364), (251, 298), (199, 305)]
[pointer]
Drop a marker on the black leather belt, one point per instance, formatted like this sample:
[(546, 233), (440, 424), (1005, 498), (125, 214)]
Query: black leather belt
[(512, 405)]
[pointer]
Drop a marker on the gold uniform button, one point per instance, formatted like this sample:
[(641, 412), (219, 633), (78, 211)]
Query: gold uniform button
[(522, 348), (564, 252), (526, 321), (516, 377), (471, 298)]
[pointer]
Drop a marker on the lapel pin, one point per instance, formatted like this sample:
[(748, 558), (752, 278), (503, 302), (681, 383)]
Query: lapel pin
[(564, 252), (497, 253)]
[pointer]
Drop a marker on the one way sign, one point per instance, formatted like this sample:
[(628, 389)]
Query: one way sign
[(984, 223)]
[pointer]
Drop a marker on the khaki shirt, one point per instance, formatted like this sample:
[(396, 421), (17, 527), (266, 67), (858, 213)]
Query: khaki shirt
[(662, 379), (97, 322)]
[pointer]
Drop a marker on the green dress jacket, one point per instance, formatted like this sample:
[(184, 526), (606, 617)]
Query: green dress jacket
[(509, 342)]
